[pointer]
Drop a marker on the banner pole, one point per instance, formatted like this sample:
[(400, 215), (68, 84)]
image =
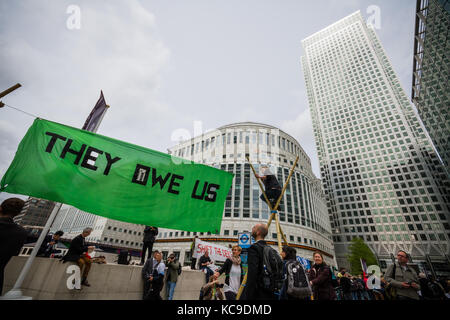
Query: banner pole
[(15, 293)]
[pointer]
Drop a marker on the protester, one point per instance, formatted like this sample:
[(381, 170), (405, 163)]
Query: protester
[(12, 236), (49, 244), (153, 276), (346, 285), (150, 234), (320, 279), (213, 290), (77, 253), (354, 288), (403, 278), (234, 273), (296, 285), (204, 262), (193, 260), (173, 270), (272, 187), (362, 288), (254, 288)]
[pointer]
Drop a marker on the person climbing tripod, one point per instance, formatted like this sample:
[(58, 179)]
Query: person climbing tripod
[(271, 185)]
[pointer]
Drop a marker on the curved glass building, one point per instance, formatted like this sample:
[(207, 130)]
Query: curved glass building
[(304, 218)]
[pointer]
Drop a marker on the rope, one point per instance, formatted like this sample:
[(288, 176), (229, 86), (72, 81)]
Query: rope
[(17, 109)]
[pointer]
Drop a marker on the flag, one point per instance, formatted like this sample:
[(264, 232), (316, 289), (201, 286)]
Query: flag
[(364, 268), (117, 180), (94, 118)]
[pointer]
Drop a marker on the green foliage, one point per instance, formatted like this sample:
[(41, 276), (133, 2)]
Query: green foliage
[(357, 250)]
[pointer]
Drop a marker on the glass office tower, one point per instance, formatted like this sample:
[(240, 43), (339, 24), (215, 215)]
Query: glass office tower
[(381, 176), (431, 72)]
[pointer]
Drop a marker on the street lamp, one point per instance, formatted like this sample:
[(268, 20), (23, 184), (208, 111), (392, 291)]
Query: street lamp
[(8, 91)]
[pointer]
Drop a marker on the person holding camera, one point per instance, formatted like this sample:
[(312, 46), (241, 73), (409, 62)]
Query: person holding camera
[(403, 278), (173, 271)]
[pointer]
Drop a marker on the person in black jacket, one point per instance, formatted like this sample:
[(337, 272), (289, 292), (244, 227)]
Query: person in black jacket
[(346, 285), (150, 234), (48, 246), (153, 276), (234, 273), (77, 253), (254, 287), (12, 236), (320, 279), (271, 185)]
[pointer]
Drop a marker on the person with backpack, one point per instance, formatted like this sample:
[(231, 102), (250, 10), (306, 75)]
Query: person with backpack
[(403, 279), (153, 276), (265, 268), (234, 273), (320, 279), (436, 289), (173, 271), (296, 285)]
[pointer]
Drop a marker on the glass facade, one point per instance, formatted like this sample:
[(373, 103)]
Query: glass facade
[(431, 72), (381, 175), (304, 216)]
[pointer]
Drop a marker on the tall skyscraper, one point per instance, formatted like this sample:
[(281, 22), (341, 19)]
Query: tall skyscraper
[(381, 176), (431, 72)]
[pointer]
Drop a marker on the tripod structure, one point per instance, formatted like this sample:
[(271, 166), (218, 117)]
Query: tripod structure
[(273, 215)]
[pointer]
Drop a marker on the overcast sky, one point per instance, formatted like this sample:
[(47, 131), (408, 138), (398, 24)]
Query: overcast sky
[(164, 64)]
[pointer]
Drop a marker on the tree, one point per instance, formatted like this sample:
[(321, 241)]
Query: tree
[(359, 250)]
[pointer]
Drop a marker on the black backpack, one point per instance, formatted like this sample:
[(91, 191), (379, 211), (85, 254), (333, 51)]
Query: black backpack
[(179, 269), (434, 289), (297, 281), (272, 273)]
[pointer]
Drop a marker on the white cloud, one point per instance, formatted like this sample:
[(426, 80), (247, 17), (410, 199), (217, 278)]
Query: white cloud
[(62, 71)]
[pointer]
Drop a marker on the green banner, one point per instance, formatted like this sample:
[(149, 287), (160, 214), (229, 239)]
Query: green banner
[(117, 180)]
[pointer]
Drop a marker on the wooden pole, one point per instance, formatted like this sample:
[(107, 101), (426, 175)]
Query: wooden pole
[(273, 215)]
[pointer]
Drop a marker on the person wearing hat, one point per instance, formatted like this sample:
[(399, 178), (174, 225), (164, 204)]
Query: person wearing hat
[(271, 185)]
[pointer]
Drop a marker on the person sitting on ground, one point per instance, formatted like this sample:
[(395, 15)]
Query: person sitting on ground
[(78, 253), (272, 187), (213, 289), (48, 246), (234, 272)]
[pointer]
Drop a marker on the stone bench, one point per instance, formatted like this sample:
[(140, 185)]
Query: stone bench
[(47, 280)]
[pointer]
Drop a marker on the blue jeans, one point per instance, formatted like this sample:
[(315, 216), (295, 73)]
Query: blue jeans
[(355, 295), (170, 287)]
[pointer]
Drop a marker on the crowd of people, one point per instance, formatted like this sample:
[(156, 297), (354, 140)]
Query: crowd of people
[(269, 276)]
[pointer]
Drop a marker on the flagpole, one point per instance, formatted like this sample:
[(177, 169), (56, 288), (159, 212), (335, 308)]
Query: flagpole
[(15, 293)]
